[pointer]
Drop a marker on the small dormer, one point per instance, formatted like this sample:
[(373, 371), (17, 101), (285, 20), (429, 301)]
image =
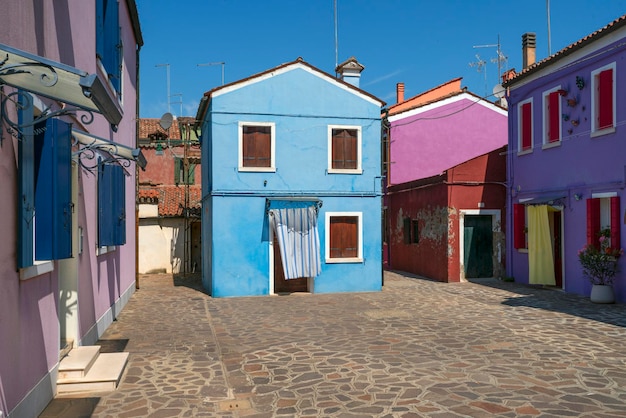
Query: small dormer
[(350, 71)]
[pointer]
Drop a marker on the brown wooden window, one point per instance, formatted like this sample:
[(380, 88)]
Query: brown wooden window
[(344, 143), (411, 230), (344, 237), (256, 146)]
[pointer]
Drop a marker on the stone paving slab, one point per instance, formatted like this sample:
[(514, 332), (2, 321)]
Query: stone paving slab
[(417, 349)]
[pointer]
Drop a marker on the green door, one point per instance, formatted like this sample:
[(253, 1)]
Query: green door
[(478, 246)]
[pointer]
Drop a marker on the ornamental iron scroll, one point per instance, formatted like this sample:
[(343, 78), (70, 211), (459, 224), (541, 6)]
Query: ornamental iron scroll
[(91, 155), (22, 101)]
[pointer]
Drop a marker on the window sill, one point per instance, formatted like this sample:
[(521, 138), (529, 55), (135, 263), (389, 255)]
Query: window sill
[(524, 152), (602, 132), (551, 145), (36, 270), (257, 169), (335, 171), (104, 250), (344, 260)]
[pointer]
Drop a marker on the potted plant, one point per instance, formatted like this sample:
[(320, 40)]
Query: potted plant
[(599, 263)]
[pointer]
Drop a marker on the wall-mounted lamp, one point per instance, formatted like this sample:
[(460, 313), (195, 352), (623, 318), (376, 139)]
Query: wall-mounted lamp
[(578, 196)]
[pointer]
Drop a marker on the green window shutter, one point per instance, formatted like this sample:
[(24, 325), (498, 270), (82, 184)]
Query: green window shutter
[(178, 163)]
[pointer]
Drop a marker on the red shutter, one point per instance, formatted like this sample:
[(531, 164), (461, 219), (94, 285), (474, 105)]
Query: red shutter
[(553, 117), (593, 221), (615, 222), (605, 99), (519, 223), (526, 126)]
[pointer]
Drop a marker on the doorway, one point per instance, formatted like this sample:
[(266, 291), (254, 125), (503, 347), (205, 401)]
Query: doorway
[(281, 284), (478, 246)]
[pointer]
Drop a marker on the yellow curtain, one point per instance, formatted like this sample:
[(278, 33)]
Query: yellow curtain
[(540, 251)]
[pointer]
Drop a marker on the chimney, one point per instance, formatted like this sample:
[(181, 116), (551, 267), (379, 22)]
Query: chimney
[(529, 45), (399, 92), (350, 71)]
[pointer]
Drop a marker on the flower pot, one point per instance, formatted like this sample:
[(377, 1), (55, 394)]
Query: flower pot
[(601, 293)]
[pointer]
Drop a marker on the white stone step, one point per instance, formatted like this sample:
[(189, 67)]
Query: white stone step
[(104, 375), (78, 361)]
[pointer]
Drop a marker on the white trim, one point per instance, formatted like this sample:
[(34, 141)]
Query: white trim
[(495, 227), (359, 257), (38, 397), (286, 69), (520, 151), (359, 167), (271, 257), (272, 167), (101, 325), (545, 116), (595, 131), (603, 195), (463, 96), (39, 268)]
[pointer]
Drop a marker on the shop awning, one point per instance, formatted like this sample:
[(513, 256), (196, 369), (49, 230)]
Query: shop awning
[(58, 81), (112, 150)]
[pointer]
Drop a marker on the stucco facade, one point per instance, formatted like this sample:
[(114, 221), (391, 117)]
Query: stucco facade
[(73, 299), (445, 198), (300, 105), (568, 164)]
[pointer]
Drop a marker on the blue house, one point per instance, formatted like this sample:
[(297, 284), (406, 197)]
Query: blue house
[(291, 183)]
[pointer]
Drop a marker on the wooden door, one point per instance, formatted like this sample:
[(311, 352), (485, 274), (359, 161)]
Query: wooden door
[(478, 246), (282, 285)]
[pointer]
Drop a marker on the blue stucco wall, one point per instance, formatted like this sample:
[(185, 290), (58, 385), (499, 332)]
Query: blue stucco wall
[(301, 104), (581, 165)]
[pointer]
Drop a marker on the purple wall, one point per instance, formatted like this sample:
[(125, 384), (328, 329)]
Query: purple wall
[(580, 165), (29, 317), (432, 138)]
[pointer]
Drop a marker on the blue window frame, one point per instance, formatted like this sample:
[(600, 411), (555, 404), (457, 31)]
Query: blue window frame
[(45, 188), (111, 205), (109, 41)]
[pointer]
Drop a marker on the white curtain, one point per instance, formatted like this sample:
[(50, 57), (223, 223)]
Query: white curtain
[(298, 240)]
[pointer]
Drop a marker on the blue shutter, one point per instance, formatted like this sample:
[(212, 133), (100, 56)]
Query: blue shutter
[(119, 208), (100, 36), (26, 186), (111, 205), (105, 214), (112, 42), (53, 191)]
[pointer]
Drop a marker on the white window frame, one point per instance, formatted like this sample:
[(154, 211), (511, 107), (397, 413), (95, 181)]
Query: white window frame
[(546, 120), (359, 257), (595, 131), (359, 142), (520, 151), (272, 167)]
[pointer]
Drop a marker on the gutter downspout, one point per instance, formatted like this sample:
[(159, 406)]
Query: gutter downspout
[(137, 171)]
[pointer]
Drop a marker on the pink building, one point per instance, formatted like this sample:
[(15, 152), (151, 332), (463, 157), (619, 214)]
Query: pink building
[(445, 190), (68, 157)]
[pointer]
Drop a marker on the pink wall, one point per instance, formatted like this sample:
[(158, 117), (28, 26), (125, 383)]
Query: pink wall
[(430, 139), (29, 328)]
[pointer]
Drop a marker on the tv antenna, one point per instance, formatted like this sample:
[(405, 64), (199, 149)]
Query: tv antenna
[(481, 66), (167, 67)]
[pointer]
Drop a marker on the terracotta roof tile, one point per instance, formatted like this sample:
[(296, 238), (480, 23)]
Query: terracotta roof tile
[(611, 27), (150, 126), (171, 199)]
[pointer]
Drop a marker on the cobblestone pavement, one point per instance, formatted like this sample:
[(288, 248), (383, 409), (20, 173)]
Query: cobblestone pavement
[(418, 348)]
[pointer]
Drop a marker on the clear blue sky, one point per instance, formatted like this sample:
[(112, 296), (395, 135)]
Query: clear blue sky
[(422, 43)]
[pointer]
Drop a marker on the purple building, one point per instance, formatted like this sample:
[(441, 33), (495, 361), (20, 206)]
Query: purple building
[(68, 157), (566, 169)]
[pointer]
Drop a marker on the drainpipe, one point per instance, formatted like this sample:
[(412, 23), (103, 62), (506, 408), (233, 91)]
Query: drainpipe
[(137, 170)]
